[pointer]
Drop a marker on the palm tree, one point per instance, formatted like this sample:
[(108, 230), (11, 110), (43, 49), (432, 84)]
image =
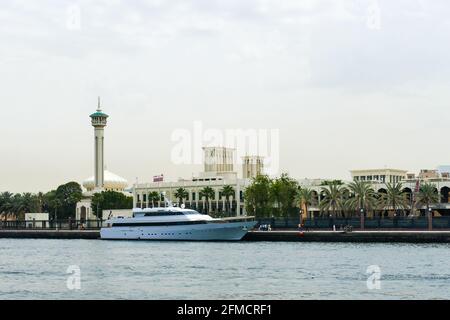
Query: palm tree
[(39, 198), (394, 197), (227, 192), (427, 196), (18, 204), (362, 198), (305, 198), (180, 194), (56, 203), (6, 202), (332, 198), (207, 193), (153, 197), (29, 203), (347, 208)]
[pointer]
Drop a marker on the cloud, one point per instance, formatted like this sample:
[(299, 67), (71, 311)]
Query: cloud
[(315, 69)]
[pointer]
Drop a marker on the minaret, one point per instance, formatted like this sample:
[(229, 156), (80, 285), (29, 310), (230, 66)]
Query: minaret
[(99, 120)]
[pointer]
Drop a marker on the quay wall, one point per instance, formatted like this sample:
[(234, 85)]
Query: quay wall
[(272, 236), (49, 234), (356, 236)]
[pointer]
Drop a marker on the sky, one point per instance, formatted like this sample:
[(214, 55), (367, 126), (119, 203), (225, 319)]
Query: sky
[(346, 84)]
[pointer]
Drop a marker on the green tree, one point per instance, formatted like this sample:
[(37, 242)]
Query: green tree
[(227, 192), (110, 200), (331, 182), (207, 193), (6, 202), (275, 195), (362, 196), (18, 205), (333, 198), (257, 196), (154, 197), (56, 203), (181, 194), (49, 202), (427, 196), (39, 198), (394, 197), (285, 194), (69, 194), (305, 198)]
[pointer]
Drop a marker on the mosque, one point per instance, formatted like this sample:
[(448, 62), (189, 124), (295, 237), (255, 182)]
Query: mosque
[(103, 180)]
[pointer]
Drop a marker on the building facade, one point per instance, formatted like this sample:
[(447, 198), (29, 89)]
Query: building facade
[(379, 175), (379, 178), (218, 173)]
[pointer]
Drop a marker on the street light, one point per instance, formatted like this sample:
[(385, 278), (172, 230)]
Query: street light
[(56, 217), (362, 216), (301, 218), (430, 219)]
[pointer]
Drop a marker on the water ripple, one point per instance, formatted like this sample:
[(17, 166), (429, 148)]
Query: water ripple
[(162, 270)]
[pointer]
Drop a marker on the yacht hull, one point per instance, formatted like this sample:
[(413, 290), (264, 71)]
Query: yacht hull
[(232, 231)]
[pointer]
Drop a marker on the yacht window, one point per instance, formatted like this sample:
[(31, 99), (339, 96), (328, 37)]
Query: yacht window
[(190, 212), (164, 213)]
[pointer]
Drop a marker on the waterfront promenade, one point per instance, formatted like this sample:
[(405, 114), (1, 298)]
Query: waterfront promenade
[(379, 236)]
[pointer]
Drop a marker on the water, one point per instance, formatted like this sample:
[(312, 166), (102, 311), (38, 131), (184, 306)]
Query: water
[(36, 269)]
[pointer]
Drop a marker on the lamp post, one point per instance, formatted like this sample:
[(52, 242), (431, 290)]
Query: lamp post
[(98, 213), (430, 219), (362, 216), (56, 217), (301, 219)]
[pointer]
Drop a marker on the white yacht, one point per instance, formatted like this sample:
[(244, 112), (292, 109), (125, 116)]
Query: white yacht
[(174, 223)]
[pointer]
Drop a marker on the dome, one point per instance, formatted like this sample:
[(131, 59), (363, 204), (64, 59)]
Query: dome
[(112, 182)]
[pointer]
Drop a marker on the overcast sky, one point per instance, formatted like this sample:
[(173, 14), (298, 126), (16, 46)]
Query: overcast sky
[(349, 84)]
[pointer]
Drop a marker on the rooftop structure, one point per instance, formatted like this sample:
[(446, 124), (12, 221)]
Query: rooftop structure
[(99, 121), (379, 175)]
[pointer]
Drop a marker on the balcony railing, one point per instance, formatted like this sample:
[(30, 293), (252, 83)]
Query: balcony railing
[(416, 223)]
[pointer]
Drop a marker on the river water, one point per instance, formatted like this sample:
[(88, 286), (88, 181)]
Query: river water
[(37, 269)]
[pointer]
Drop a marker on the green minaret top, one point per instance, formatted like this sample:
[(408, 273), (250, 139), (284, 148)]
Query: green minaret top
[(99, 113)]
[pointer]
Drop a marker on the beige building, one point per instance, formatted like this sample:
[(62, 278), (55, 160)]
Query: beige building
[(218, 163), (379, 175), (252, 166), (426, 174)]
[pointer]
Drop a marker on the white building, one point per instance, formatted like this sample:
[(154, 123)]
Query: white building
[(379, 175), (218, 173), (37, 220), (379, 178), (103, 180)]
